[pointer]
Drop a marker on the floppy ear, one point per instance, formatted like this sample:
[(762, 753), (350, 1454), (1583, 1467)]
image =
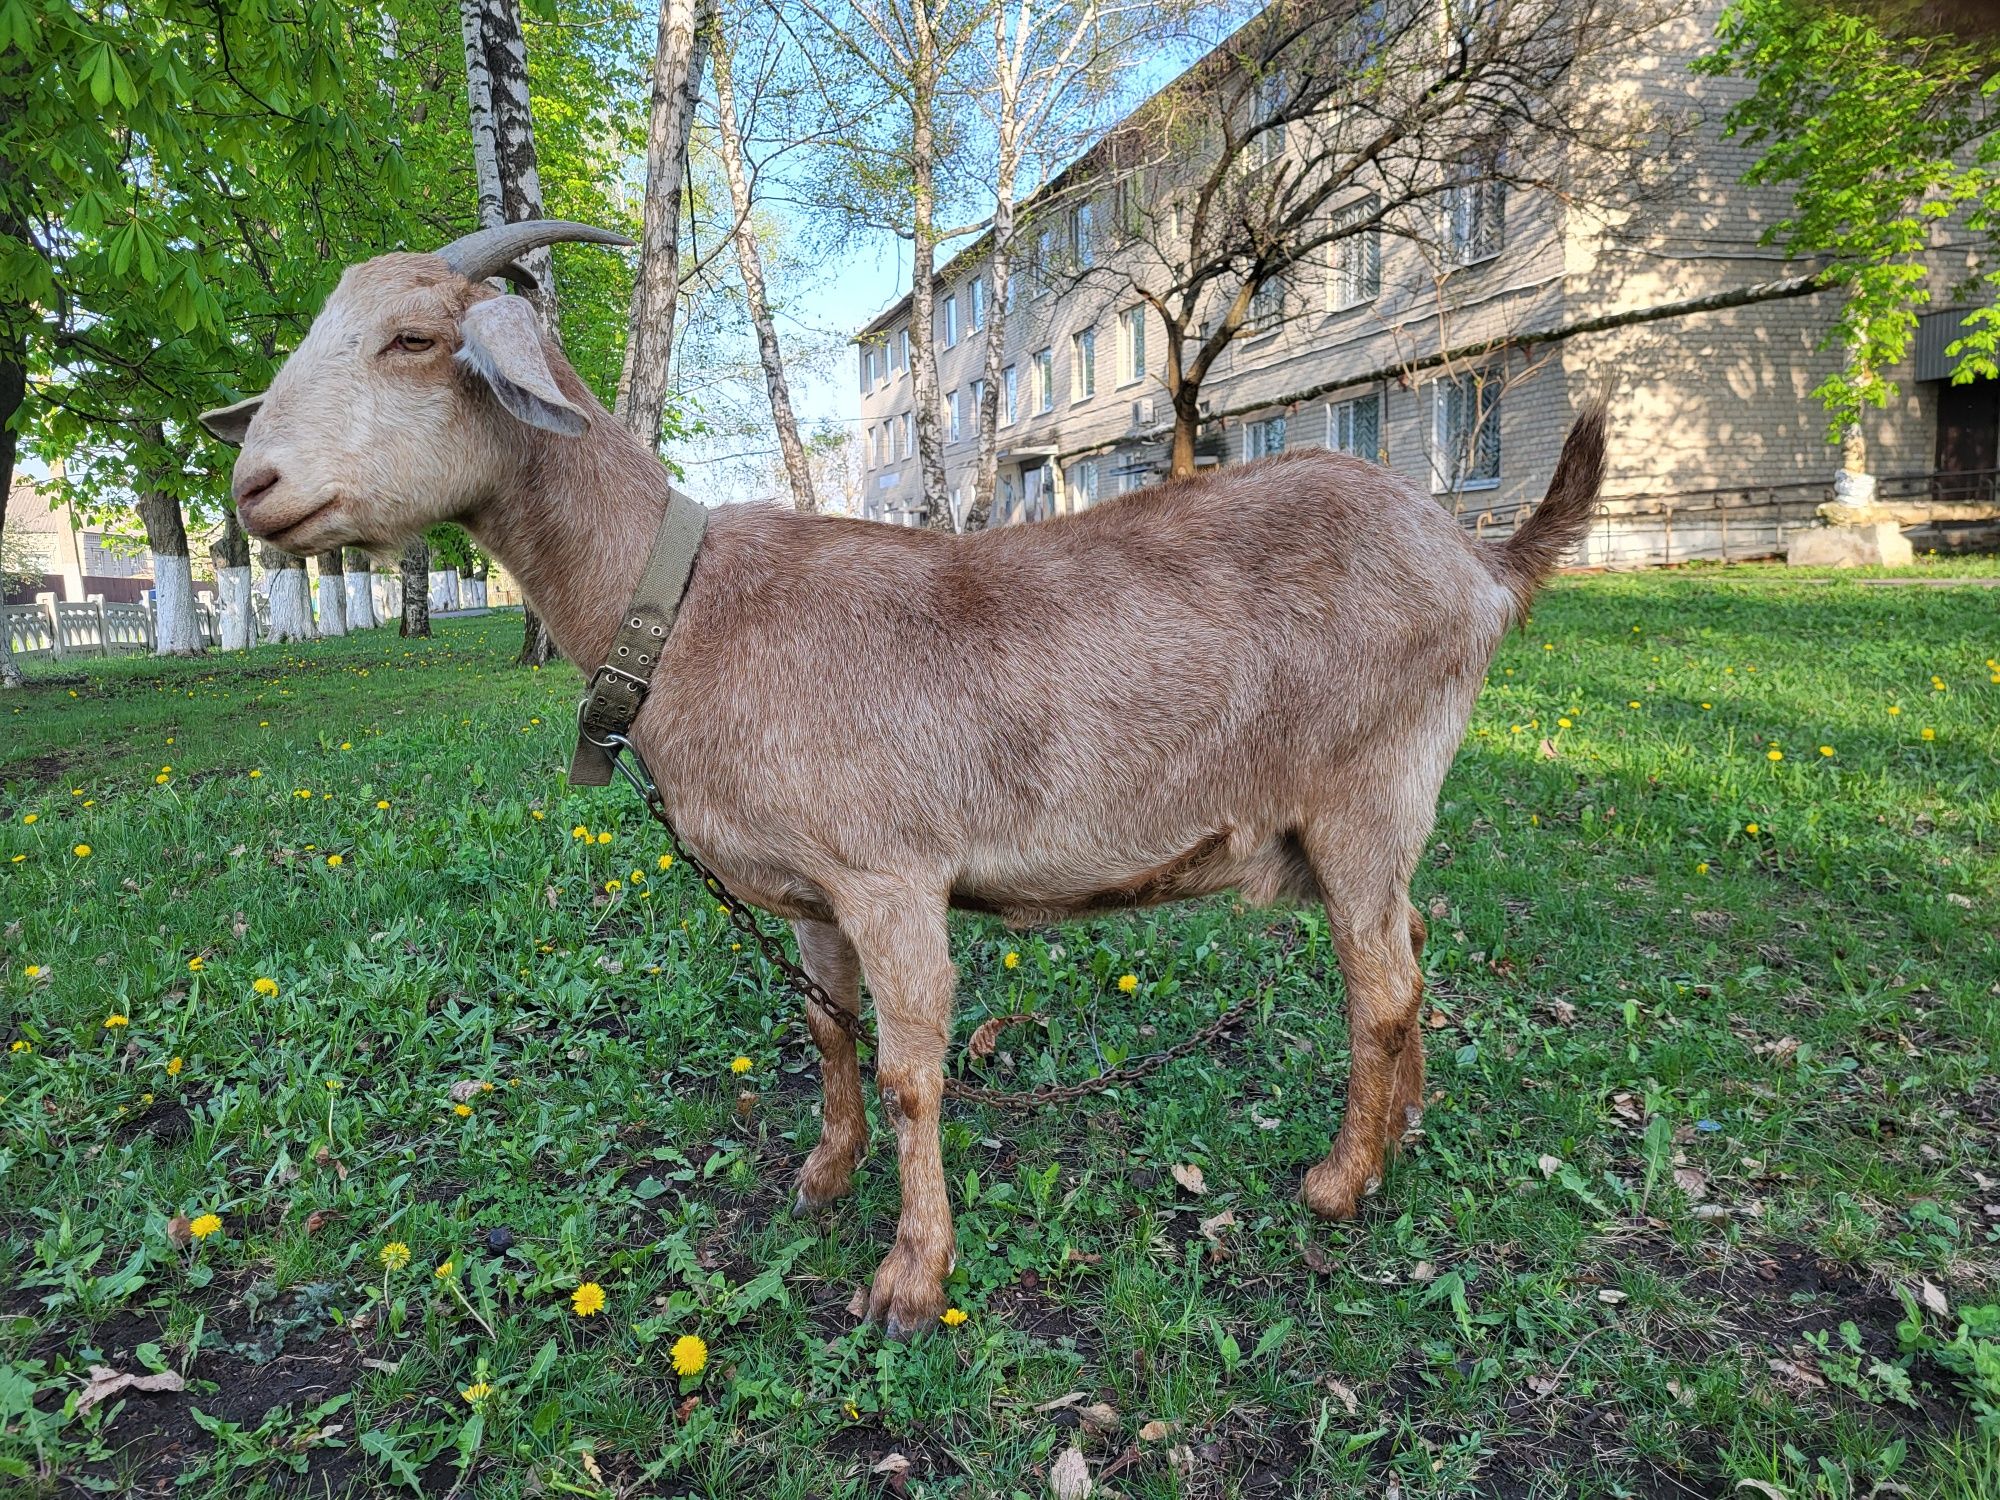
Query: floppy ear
[(500, 341), (229, 423)]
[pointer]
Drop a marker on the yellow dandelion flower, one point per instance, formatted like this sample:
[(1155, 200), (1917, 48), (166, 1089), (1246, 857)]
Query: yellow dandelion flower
[(666, 861), (335, 861), (613, 887), (381, 804), (1894, 709), (1751, 829), (197, 964), (1774, 754), (1708, 705), (740, 1065), (31, 817), (1562, 723), (395, 1255), (81, 851), (256, 775), (463, 1111), (1128, 983), (689, 1354), (1701, 867), (951, 1317), (33, 971), (1633, 704), (345, 745), (204, 1226), (1928, 733), (477, 1392), (1011, 961), (20, 1044), (174, 1066), (444, 1271), (579, 832), (115, 1020), (587, 1300), (604, 838), (265, 987), (162, 779), (334, 1085)]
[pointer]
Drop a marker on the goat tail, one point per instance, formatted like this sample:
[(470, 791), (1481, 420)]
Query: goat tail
[(1527, 557)]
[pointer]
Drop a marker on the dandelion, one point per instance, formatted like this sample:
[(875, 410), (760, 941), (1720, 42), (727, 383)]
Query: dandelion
[(1562, 723), (1751, 829), (174, 1066), (33, 971), (162, 779), (477, 1392), (1826, 749), (1128, 983), (689, 1354), (204, 1226), (666, 861), (82, 851), (1894, 709), (20, 1045), (334, 1085), (345, 745), (613, 887), (1633, 704), (381, 804), (463, 1111), (256, 775), (115, 1020), (197, 964), (587, 1300), (1928, 733), (1701, 867), (31, 817), (334, 861), (951, 1317), (579, 832), (1011, 961), (444, 1271), (265, 987), (604, 838), (740, 1065), (1774, 753), (394, 1256), (1708, 705)]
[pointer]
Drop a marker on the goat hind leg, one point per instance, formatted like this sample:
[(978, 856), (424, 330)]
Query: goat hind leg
[(1406, 1101), (828, 1170)]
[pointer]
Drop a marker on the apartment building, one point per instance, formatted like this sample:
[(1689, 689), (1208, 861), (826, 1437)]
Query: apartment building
[(1719, 445)]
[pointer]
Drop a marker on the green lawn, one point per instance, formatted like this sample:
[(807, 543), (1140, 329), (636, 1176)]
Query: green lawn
[(1713, 1056)]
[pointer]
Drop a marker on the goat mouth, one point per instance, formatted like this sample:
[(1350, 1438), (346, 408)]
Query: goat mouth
[(263, 530)]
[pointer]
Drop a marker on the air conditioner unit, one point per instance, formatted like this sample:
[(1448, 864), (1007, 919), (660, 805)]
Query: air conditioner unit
[(1142, 412)]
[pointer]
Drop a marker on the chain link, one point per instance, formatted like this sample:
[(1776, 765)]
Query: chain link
[(815, 994)]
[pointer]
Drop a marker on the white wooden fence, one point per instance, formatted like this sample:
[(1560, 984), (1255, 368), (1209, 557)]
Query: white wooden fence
[(56, 630)]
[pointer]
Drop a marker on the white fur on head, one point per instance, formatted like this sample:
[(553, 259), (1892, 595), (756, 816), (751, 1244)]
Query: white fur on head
[(500, 341)]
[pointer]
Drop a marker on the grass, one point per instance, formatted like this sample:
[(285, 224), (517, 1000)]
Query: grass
[(1708, 1102)]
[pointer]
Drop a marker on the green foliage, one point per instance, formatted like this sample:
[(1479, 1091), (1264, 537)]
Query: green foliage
[(1972, 1353), (1886, 138), (1624, 983)]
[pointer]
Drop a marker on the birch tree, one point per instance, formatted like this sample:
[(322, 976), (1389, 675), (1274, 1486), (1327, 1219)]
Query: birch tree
[(679, 58), (750, 266)]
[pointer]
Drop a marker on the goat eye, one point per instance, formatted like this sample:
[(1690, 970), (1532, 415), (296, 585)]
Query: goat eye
[(411, 343)]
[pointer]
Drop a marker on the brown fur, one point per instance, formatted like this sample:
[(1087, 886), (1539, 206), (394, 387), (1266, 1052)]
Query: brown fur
[(1254, 680)]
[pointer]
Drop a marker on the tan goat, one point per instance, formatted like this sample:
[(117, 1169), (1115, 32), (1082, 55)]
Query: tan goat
[(1253, 680)]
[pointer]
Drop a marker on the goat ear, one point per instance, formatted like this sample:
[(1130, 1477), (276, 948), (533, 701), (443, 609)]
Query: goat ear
[(228, 424), (500, 341)]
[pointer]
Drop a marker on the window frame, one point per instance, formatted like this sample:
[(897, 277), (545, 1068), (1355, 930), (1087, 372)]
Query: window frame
[(1042, 364), (1132, 344), (953, 418), (1352, 405), (1083, 365), (1010, 395), (1257, 434), (950, 310), (1470, 385)]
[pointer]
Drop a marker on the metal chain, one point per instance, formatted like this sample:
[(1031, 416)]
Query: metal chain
[(814, 993)]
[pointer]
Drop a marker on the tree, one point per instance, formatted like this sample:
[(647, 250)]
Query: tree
[(750, 265), (678, 61), (1319, 123), (13, 384), (1880, 119), (230, 552), (332, 593), (290, 600), (360, 578), (416, 570)]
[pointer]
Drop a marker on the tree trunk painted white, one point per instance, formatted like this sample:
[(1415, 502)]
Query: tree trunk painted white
[(750, 263), (13, 389), (291, 602), (239, 621), (176, 630), (389, 597), (360, 581), (678, 59), (444, 589), (332, 594)]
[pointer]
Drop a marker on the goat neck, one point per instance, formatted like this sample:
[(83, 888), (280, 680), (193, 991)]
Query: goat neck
[(575, 526)]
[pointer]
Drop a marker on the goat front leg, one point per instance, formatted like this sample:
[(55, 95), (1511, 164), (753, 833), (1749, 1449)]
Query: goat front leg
[(902, 941), (828, 1172)]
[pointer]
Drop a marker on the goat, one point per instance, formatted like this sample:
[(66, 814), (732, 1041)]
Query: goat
[(1252, 680)]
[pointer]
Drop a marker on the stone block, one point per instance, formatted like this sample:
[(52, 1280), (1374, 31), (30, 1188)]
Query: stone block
[(1877, 544)]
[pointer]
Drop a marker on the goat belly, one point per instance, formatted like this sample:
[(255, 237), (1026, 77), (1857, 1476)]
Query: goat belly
[(1198, 870)]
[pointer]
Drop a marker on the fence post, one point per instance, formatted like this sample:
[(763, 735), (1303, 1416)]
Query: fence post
[(103, 629)]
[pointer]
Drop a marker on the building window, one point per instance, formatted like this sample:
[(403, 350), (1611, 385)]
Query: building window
[(1465, 433), (1267, 103), (1082, 482), (1083, 236), (976, 297), (1010, 395), (951, 322), (903, 347), (861, 369), (1044, 366), (909, 432), (1083, 365), (1474, 221), (978, 404), (1356, 427), (1045, 258), (1357, 262), (1262, 439), (1131, 477), (1132, 344), (954, 414), (1129, 204), (1013, 289), (1267, 306)]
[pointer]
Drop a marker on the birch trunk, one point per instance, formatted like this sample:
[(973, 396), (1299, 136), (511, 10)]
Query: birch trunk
[(231, 554), (678, 59), (291, 601), (750, 265), (332, 593), (360, 577), (416, 588)]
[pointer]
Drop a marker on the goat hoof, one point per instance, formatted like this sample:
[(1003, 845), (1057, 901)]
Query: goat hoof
[(1326, 1192), (823, 1179), (905, 1297)]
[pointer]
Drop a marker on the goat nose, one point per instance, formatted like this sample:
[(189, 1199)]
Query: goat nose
[(247, 487)]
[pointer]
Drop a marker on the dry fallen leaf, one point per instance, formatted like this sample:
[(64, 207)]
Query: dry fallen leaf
[(1692, 1181), (1550, 1165), (1099, 1418), (180, 1231), (895, 1463), (1933, 1297), (1543, 1385), (106, 1382), (1423, 1273), (590, 1465), (1563, 1012), (858, 1303), (1549, 751), (1062, 1402), (1189, 1176), (1069, 1476), (1155, 1430), (1782, 1051), (1344, 1394), (1607, 1294), (386, 1366), (1211, 1229), (469, 1088)]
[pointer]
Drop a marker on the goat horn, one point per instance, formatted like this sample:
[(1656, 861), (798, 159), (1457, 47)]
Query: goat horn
[(493, 251)]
